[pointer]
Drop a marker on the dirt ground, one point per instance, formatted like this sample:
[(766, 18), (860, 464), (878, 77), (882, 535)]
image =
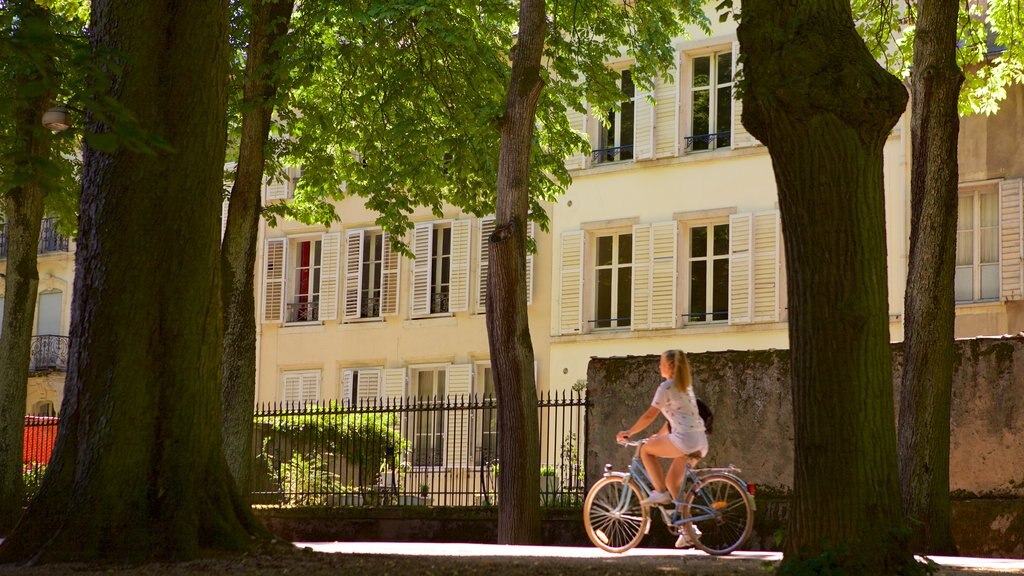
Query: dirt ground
[(309, 563)]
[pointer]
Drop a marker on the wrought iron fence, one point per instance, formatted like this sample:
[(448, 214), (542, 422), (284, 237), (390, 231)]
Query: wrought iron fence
[(49, 352), (412, 451), (50, 240), (39, 436)]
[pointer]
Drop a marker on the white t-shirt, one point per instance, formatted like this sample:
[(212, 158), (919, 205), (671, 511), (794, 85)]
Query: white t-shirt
[(679, 408)]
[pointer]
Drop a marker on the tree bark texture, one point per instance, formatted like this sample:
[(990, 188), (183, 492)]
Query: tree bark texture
[(815, 96), (508, 329), (138, 471), (926, 389), (269, 23), (23, 211)]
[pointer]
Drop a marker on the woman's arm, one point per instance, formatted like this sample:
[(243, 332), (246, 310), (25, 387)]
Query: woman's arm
[(642, 422)]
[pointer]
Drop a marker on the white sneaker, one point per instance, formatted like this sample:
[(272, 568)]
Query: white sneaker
[(684, 539), (656, 498)]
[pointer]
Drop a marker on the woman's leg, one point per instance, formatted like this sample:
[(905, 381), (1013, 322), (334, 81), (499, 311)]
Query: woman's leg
[(658, 447)]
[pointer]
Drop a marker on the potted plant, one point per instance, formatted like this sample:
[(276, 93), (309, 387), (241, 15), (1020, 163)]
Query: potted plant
[(548, 484), (425, 494)]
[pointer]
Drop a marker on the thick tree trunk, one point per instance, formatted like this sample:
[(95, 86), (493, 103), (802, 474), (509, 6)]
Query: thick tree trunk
[(815, 96), (928, 345), (23, 210), (138, 470), (269, 23), (508, 327)]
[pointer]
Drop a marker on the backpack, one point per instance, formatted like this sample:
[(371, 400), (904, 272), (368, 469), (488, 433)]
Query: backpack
[(706, 415)]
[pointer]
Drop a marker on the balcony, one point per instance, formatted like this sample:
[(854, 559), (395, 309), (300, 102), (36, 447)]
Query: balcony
[(303, 312), (50, 241), (49, 354), (614, 154), (714, 140)]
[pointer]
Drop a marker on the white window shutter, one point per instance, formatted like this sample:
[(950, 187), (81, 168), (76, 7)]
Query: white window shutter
[(740, 137), (353, 274), (531, 232), (459, 278), (740, 269), (643, 127), (641, 314), (460, 385), (664, 244), (1011, 249), (570, 291), (369, 386), (422, 241), (394, 384), (291, 387), (766, 264), (275, 256), (577, 122), (346, 387), (276, 189), (666, 115), (311, 386), (224, 218), (330, 262), (389, 281), (486, 227)]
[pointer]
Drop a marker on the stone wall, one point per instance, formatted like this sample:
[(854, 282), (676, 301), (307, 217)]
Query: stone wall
[(749, 393)]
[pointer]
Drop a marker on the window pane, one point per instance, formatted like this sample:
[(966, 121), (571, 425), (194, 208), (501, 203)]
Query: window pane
[(604, 298), (965, 213), (721, 239), (990, 281), (701, 119), (378, 246), (963, 284), (441, 388), (604, 251), (625, 248), (698, 242), (316, 258), (964, 248), (447, 234), (723, 117), (724, 72), (989, 209), (424, 383), (720, 290), (303, 259), (701, 71), (624, 296), (367, 247), (989, 245), (626, 132), (627, 83), (698, 290)]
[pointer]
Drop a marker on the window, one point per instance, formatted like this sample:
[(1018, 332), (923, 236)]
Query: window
[(711, 102), (708, 273), (372, 263), (977, 246), (440, 269), (615, 141), (613, 275), (300, 386), (428, 426), (361, 386), (487, 444), (305, 302)]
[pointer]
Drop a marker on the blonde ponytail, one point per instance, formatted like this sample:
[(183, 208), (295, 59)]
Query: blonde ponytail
[(681, 377)]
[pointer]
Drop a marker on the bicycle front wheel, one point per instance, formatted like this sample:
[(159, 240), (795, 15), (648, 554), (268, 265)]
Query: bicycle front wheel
[(732, 516), (614, 519)]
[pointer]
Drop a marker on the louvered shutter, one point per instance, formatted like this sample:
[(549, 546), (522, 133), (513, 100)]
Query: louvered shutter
[(394, 384), (641, 314), (643, 127), (486, 227), (458, 296), (570, 290), (460, 385), (666, 116), (301, 386), (531, 232), (740, 137), (1011, 242), (224, 218), (422, 243), (766, 263), (740, 269), (291, 387), (330, 262), (347, 376), (310, 386), (664, 239), (578, 122), (368, 387), (353, 274), (275, 254), (389, 280), (276, 189)]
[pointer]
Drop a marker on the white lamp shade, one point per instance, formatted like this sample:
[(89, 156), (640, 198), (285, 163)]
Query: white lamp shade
[(56, 119)]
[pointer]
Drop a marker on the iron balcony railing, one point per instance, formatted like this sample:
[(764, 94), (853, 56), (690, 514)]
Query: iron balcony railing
[(708, 141), (49, 353), (50, 240), (303, 311), (613, 154)]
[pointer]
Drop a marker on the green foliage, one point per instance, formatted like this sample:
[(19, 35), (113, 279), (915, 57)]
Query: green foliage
[(547, 471), (306, 479), (32, 477)]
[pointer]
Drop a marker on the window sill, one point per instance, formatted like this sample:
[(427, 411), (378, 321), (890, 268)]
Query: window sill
[(686, 157), (374, 320), (688, 330), (979, 306), (432, 321)]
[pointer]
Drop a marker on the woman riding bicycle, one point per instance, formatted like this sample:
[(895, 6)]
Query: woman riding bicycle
[(676, 401)]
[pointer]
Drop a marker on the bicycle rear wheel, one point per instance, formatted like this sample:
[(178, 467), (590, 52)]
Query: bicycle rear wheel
[(733, 516), (614, 519)]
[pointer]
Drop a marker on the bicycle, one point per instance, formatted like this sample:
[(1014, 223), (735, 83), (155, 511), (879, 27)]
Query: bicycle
[(714, 508)]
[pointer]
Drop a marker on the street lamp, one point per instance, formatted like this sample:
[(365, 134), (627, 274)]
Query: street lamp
[(57, 118)]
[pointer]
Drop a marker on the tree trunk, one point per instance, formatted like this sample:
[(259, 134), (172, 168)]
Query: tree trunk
[(269, 23), (815, 96), (508, 329), (928, 345), (138, 471), (23, 209)]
